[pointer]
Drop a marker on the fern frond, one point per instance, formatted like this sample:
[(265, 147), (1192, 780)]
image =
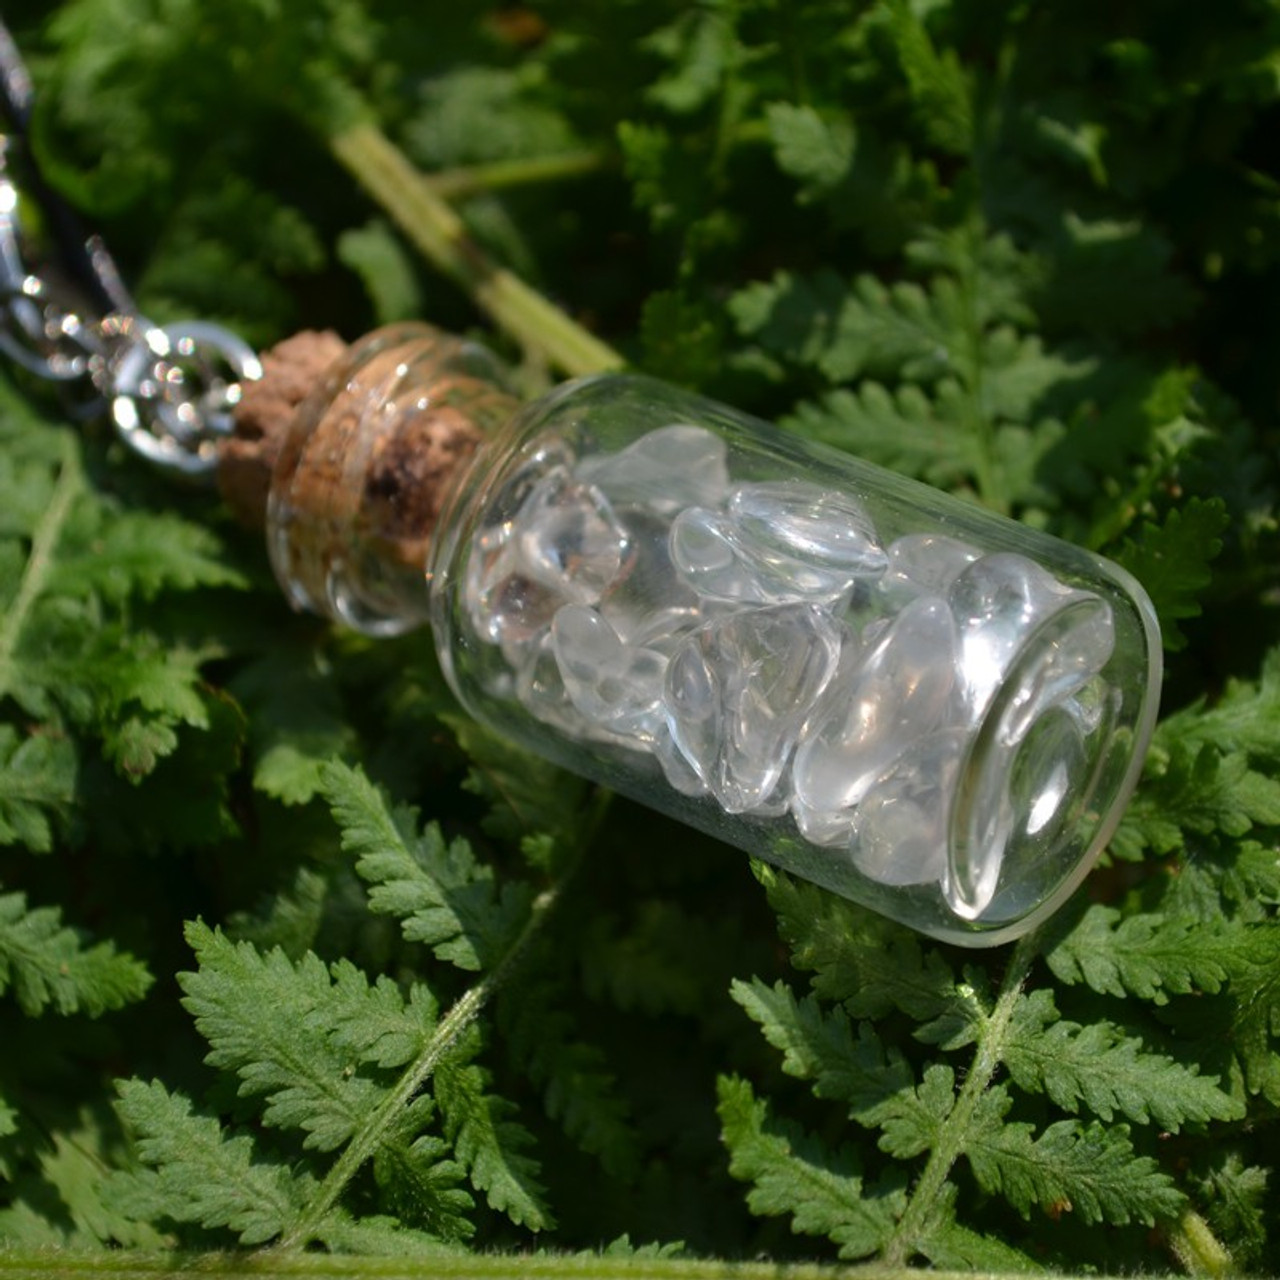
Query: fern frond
[(791, 1175), (298, 1036), (197, 1173), (1100, 1067), (1090, 1170), (48, 965), (441, 894), (489, 1144)]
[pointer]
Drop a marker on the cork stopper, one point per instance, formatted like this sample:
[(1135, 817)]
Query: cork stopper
[(291, 371), (362, 465)]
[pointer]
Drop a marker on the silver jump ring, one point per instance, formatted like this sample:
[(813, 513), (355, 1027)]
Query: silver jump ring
[(174, 389)]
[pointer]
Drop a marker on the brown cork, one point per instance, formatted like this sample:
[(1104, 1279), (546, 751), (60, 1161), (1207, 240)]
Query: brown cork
[(291, 371), (362, 467)]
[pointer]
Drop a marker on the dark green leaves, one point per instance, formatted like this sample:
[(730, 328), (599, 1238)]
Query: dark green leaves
[(49, 966), (791, 1175), (440, 893)]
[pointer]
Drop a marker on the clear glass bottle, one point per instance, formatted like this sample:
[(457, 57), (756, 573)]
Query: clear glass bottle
[(918, 704)]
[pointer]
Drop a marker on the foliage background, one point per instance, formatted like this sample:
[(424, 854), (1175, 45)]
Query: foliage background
[(1027, 252)]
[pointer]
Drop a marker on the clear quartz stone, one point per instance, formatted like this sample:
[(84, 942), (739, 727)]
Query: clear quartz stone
[(648, 598), (924, 564), (999, 602), (664, 470), (568, 538), (881, 700), (616, 687), (540, 689), (507, 607), (808, 524), (901, 830), (738, 691), (704, 553), (722, 561)]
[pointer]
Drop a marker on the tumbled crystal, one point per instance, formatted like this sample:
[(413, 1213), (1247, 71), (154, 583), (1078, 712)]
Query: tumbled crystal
[(806, 523), (615, 686), (705, 555), (1000, 602), (880, 701), (901, 830), (568, 538), (721, 561), (665, 470), (506, 606), (924, 564), (738, 691), (540, 689), (676, 769), (648, 598)]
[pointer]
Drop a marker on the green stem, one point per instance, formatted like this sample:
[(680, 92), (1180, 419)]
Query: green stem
[(955, 1132), (470, 180), (537, 324), (1198, 1249), (40, 562), (51, 1265)]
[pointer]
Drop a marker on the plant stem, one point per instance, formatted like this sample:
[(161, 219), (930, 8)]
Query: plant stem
[(1198, 1249), (457, 184), (116, 1265), (40, 561), (536, 323), (955, 1133)]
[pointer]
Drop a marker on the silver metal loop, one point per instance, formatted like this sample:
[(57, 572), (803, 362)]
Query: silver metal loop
[(173, 391)]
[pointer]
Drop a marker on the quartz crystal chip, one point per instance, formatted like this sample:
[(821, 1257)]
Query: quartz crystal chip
[(738, 691), (677, 770), (924, 564), (648, 599), (540, 689), (721, 561), (707, 558), (665, 470), (880, 701), (809, 525), (901, 830), (568, 538), (1000, 602), (830, 828), (506, 606), (615, 686), (515, 489)]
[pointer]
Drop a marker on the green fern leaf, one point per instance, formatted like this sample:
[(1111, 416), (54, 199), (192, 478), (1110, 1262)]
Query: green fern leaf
[(267, 1019), (197, 1174), (1099, 1067), (870, 963), (1073, 1168), (1146, 955), (442, 896), (37, 787), (489, 1144), (791, 1175), (912, 1120), (820, 1047), (1171, 560), (423, 1187), (1246, 718), (49, 966)]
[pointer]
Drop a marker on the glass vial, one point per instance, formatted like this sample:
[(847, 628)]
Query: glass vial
[(898, 695)]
